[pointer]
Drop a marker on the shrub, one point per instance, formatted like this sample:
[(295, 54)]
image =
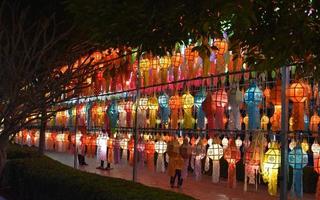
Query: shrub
[(16, 151)]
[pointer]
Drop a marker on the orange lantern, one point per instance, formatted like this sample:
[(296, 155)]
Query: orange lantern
[(176, 61), (275, 99), (209, 108), (165, 62), (144, 67), (150, 150), (222, 46), (314, 122), (155, 64), (267, 94), (232, 155), (298, 94), (175, 105), (190, 57), (264, 122)]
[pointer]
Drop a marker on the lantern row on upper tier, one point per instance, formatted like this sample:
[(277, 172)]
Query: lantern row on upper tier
[(219, 109), (259, 156)]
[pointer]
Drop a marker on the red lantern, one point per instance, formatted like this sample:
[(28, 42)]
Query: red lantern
[(222, 46), (150, 150), (232, 155), (155, 64), (176, 61), (209, 108), (298, 94), (175, 105), (314, 122), (220, 98)]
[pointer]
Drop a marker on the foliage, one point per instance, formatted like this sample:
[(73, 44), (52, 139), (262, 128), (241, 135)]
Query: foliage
[(44, 178), (21, 152)]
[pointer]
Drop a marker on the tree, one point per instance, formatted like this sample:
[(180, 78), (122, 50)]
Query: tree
[(40, 70), (270, 34)]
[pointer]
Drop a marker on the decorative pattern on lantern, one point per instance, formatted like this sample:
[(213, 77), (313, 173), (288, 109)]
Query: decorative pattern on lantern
[(253, 97), (144, 67), (160, 148), (153, 108), (222, 46), (298, 94), (271, 164), (275, 99), (314, 122), (165, 62), (98, 114), (264, 122), (235, 99), (163, 101), (128, 108), (252, 164), (176, 61), (232, 155), (198, 100), (175, 104), (187, 104), (209, 108), (142, 112), (220, 98), (298, 159), (214, 152)]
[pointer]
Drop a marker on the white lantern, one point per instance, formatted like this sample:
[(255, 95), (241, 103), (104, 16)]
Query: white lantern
[(238, 142), (225, 142), (215, 152), (160, 147)]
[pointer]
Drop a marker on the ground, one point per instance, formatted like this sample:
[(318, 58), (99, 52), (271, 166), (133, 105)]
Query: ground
[(203, 189)]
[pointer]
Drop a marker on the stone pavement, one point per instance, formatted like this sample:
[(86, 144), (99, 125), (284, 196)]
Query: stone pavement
[(202, 189)]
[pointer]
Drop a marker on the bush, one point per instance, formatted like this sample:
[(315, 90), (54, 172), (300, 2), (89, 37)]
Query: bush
[(43, 178), (15, 151)]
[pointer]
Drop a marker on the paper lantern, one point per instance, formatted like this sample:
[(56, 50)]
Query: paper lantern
[(150, 150), (165, 62), (222, 46), (298, 94), (187, 104), (131, 150), (122, 114), (253, 97), (142, 113), (235, 99), (163, 101), (153, 108), (314, 122), (292, 144), (190, 57), (143, 103), (298, 159), (176, 61), (267, 94), (305, 145), (252, 163), (225, 142), (215, 152), (113, 114), (209, 108), (141, 145), (144, 68), (175, 104), (271, 165), (128, 109), (232, 155), (198, 100), (238, 142), (264, 122), (220, 98), (160, 148), (155, 65)]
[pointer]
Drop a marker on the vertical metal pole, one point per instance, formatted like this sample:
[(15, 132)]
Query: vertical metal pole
[(284, 133), (75, 155), (135, 128)]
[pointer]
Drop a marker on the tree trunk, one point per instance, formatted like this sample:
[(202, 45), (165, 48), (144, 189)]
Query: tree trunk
[(42, 136), (3, 153)]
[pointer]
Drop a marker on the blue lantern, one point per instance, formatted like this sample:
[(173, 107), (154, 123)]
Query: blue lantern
[(253, 97), (113, 114), (198, 99), (163, 101), (298, 159)]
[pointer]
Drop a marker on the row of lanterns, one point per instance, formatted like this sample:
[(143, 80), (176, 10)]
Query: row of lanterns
[(209, 108), (256, 158)]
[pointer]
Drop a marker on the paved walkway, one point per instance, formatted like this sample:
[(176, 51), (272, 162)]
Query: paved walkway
[(203, 189)]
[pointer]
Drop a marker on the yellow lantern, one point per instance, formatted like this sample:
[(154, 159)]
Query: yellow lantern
[(305, 145), (271, 164), (153, 108), (155, 64), (165, 62), (246, 121), (144, 67), (264, 122), (187, 104)]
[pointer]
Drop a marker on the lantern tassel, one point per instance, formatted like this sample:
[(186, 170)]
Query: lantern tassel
[(297, 186), (232, 175), (254, 116), (215, 171), (160, 163), (298, 116)]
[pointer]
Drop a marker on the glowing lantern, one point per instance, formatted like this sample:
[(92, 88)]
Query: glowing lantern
[(150, 149), (187, 104), (252, 163), (163, 101), (128, 109), (153, 108), (298, 159), (232, 155), (271, 165), (267, 94), (144, 67), (220, 98), (316, 164), (113, 114), (298, 94), (305, 145), (264, 122), (292, 144), (131, 150), (124, 147), (190, 57), (222, 46), (122, 114), (155, 64), (198, 100), (142, 113), (314, 122), (238, 142), (225, 142), (235, 99), (176, 61), (165, 62), (215, 152), (175, 105), (209, 108), (253, 98), (160, 148)]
